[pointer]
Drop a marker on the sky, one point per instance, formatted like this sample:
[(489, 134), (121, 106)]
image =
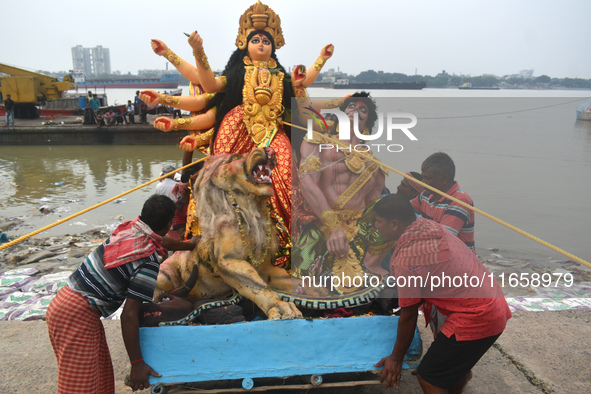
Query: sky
[(470, 37)]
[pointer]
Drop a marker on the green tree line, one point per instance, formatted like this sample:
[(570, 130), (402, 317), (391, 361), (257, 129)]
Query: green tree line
[(443, 80)]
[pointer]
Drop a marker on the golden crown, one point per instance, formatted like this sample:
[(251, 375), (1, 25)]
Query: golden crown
[(260, 17)]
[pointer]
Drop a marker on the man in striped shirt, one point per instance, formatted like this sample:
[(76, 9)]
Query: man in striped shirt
[(438, 171), (123, 268), (430, 264)]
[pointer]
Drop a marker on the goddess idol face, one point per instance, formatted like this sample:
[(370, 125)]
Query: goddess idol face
[(260, 48)]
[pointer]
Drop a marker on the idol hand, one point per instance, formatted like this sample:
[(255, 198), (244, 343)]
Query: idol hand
[(150, 97), (196, 42), (327, 51), (159, 47), (298, 75), (163, 123)]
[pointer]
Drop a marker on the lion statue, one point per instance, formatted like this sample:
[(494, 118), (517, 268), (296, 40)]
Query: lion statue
[(238, 237)]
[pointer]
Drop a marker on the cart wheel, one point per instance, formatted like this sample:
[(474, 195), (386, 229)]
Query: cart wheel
[(316, 380), (247, 383), (158, 388)]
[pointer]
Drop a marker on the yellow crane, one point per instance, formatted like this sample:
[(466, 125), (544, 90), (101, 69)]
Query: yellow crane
[(28, 88)]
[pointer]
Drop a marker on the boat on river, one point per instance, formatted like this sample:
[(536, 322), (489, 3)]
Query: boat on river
[(584, 111), (469, 86), (72, 104), (167, 81), (381, 85)]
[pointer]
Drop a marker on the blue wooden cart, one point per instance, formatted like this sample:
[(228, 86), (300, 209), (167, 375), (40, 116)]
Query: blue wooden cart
[(263, 349)]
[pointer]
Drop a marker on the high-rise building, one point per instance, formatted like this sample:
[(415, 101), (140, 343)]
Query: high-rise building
[(95, 60), (101, 60), (81, 59)]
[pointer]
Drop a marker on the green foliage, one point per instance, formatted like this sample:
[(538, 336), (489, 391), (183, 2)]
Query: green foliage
[(371, 76), (367, 76), (543, 79), (575, 83)]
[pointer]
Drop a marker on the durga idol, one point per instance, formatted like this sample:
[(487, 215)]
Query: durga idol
[(246, 105)]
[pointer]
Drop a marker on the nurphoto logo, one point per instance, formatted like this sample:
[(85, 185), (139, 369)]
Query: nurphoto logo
[(391, 121)]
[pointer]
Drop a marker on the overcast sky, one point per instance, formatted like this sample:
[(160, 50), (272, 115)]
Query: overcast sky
[(473, 37)]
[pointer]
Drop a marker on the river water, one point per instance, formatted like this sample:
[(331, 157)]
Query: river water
[(521, 155)]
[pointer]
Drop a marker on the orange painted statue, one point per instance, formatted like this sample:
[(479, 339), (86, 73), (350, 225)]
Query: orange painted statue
[(245, 107)]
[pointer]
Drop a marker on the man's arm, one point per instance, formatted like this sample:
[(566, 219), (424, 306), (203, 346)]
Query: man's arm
[(406, 330), (173, 244), (140, 371)]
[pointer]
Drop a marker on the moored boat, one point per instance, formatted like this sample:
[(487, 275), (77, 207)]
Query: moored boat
[(584, 111), (381, 85), (70, 105), (167, 81), (468, 86)]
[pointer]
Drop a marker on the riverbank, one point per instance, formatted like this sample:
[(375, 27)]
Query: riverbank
[(40, 264), (539, 352), (69, 130)]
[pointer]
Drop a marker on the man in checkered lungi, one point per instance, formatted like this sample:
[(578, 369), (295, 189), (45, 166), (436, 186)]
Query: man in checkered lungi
[(123, 269)]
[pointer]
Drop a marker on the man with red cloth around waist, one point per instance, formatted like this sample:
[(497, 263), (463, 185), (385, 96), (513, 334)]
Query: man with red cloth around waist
[(430, 264), (123, 269)]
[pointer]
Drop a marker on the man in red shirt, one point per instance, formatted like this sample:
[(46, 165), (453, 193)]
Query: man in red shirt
[(431, 264)]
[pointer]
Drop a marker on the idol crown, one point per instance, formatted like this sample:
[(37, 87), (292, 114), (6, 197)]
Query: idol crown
[(260, 17)]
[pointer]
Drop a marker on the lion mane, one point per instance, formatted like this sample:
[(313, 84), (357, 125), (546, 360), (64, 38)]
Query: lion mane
[(215, 212)]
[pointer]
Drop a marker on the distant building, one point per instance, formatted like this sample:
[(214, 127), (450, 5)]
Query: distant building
[(526, 73), (81, 59), (101, 60), (94, 61)]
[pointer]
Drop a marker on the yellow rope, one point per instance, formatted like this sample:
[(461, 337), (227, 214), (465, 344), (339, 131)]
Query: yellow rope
[(510, 226), (344, 144), (20, 239)]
